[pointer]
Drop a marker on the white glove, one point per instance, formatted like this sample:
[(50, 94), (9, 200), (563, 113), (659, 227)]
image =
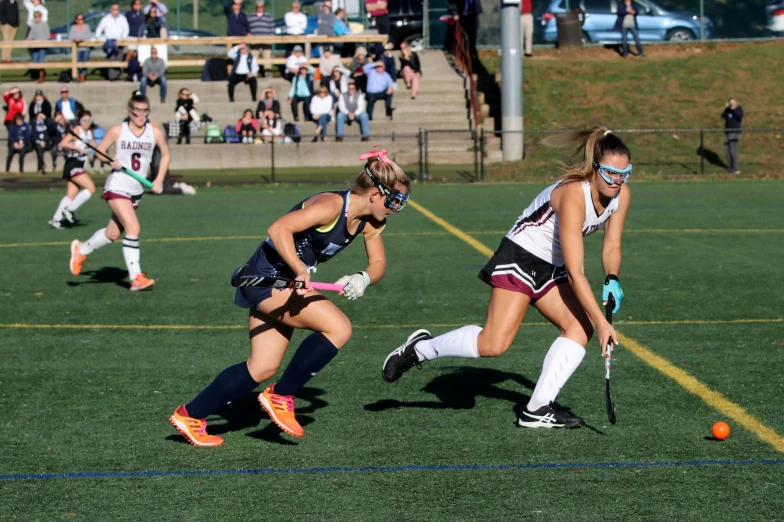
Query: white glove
[(354, 285)]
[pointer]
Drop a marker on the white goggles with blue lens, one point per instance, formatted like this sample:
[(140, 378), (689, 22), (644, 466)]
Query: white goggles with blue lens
[(612, 175)]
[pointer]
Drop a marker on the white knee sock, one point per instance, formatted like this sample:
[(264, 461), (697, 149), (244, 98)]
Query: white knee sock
[(97, 241), (562, 359), (79, 200), (131, 254), (58, 215), (457, 343)]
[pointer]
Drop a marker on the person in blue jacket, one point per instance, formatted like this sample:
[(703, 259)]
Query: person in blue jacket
[(18, 142)]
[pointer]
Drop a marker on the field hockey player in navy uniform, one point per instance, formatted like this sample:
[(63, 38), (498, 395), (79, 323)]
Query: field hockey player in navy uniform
[(313, 232), (79, 185), (540, 263)]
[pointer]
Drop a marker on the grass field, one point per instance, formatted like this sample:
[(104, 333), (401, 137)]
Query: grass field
[(90, 372)]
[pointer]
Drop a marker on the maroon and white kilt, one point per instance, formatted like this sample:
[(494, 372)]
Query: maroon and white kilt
[(514, 268)]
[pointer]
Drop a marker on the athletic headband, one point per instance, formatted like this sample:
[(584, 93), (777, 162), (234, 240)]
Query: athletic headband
[(380, 154), (607, 132)]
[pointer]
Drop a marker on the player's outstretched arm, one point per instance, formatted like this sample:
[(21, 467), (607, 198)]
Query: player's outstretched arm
[(163, 168), (374, 248), (611, 249)]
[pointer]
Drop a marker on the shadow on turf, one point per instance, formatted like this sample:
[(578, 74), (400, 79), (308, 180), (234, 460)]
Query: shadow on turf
[(246, 413), (711, 157), (107, 274)]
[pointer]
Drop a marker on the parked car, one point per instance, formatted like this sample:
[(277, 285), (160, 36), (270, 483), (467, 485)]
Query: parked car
[(93, 18), (655, 23), (775, 12)]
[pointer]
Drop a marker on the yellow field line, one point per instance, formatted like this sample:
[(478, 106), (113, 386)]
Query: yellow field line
[(714, 399), (688, 382), (438, 220)]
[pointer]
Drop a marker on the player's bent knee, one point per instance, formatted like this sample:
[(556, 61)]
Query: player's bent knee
[(490, 345), (581, 334), (341, 333), (260, 371)]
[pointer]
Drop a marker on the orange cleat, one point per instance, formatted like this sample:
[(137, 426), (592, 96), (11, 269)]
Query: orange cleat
[(194, 430), (141, 283), (281, 410), (76, 258)]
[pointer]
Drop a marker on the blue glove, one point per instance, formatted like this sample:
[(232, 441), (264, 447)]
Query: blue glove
[(612, 286)]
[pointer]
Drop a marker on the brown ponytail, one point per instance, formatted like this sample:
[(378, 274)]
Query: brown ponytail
[(589, 144)]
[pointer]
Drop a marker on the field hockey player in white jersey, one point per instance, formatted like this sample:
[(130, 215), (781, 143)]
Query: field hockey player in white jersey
[(540, 262), (134, 140), (79, 185)]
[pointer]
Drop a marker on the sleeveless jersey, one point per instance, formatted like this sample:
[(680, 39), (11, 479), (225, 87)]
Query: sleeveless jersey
[(80, 155), (314, 246), (537, 231), (134, 153)]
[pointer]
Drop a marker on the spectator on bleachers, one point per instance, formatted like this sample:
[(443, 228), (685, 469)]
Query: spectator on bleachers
[(389, 60), (9, 24), (68, 106), (380, 86), (271, 127), (321, 112), (135, 17), (154, 25), (247, 127), (245, 70), (338, 82), (133, 68), (160, 6), (296, 21), (36, 6), (80, 32), (326, 22), (185, 113), (356, 67), (327, 64), (14, 104), (112, 27), (410, 68), (261, 23), (301, 91), (379, 11), (40, 105), (40, 135), (236, 21), (154, 73), (341, 27), (38, 31), (295, 60), (18, 141), (269, 102), (351, 108)]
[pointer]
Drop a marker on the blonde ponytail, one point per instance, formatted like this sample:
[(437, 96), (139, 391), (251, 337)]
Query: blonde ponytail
[(590, 145)]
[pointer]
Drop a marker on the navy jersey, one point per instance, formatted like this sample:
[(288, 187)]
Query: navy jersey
[(314, 246)]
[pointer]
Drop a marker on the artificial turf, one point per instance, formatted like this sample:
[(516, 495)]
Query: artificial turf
[(440, 444)]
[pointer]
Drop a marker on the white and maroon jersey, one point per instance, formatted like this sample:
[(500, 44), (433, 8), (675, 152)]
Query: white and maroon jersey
[(135, 153), (80, 155), (537, 231)]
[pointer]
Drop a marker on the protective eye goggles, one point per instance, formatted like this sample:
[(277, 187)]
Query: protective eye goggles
[(140, 112), (612, 175), (85, 120), (394, 200)]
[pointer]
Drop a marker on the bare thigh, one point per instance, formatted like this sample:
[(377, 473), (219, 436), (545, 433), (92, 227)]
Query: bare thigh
[(505, 313), (562, 308), (312, 311), (268, 342), (124, 217), (83, 181)]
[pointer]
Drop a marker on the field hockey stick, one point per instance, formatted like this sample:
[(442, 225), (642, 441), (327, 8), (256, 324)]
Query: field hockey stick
[(144, 181), (607, 360), (241, 277)]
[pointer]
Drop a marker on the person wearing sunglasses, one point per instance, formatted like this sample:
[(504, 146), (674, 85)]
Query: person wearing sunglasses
[(135, 140), (81, 32), (313, 232), (79, 184), (540, 262)]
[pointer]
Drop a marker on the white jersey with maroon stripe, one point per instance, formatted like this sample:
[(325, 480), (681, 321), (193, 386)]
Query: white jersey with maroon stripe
[(537, 231), (135, 153), (80, 154)]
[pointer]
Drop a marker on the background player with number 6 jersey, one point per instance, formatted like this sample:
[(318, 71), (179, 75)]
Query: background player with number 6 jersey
[(134, 140), (79, 185), (313, 232), (540, 262)]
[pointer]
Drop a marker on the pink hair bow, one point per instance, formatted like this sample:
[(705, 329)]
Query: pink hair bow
[(380, 154)]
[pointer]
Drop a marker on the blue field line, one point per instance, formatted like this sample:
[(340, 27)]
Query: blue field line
[(383, 469)]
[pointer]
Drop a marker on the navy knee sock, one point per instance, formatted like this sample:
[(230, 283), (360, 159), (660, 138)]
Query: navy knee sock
[(229, 385), (311, 357)]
